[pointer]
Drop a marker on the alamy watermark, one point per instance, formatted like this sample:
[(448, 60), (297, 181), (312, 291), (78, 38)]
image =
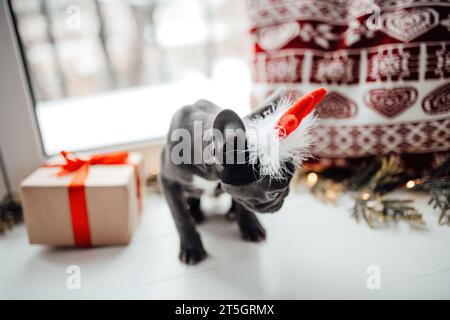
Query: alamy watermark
[(73, 281), (230, 146), (374, 21), (373, 281), (73, 19)]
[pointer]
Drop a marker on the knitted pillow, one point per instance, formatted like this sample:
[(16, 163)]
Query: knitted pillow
[(385, 64)]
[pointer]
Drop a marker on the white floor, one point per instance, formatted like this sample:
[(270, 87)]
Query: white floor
[(313, 251)]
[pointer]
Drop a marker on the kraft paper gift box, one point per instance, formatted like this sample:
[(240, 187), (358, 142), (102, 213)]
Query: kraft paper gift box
[(94, 204)]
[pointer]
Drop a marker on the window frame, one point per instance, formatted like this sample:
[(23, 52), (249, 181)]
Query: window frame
[(20, 141)]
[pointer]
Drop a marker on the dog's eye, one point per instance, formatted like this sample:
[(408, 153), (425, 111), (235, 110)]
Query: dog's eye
[(273, 194)]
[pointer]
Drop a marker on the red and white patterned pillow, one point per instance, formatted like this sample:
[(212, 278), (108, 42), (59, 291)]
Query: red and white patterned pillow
[(386, 65)]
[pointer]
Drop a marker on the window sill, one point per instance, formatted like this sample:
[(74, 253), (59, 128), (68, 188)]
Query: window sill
[(128, 116)]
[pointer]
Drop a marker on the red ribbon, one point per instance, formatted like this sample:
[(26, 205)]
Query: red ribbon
[(77, 193)]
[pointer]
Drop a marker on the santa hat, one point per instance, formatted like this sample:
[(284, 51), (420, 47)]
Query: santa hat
[(281, 138)]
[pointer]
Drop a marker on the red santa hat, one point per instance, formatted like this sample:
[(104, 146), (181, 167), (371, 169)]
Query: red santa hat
[(282, 135)]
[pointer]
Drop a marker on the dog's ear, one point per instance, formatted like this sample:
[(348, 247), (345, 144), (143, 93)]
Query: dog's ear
[(229, 141), (269, 103)]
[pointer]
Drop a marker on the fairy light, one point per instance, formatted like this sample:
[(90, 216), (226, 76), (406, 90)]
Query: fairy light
[(365, 196), (331, 195), (410, 184), (311, 179)]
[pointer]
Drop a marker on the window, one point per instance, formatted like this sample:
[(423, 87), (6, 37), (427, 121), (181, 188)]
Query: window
[(113, 72)]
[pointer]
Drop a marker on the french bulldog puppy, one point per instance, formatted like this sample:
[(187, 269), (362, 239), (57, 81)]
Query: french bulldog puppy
[(256, 180)]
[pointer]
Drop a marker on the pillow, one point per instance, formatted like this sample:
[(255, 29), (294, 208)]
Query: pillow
[(385, 64)]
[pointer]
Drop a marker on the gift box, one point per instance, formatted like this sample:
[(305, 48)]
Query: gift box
[(84, 202)]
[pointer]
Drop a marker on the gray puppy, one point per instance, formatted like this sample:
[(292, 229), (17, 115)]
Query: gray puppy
[(252, 187)]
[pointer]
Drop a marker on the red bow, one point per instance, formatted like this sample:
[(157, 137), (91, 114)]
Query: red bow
[(74, 163)]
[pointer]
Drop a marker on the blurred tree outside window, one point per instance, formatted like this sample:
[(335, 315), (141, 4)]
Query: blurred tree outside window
[(82, 47)]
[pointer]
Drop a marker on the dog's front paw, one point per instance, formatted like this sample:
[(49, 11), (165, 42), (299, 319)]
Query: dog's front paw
[(254, 232), (192, 255)]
